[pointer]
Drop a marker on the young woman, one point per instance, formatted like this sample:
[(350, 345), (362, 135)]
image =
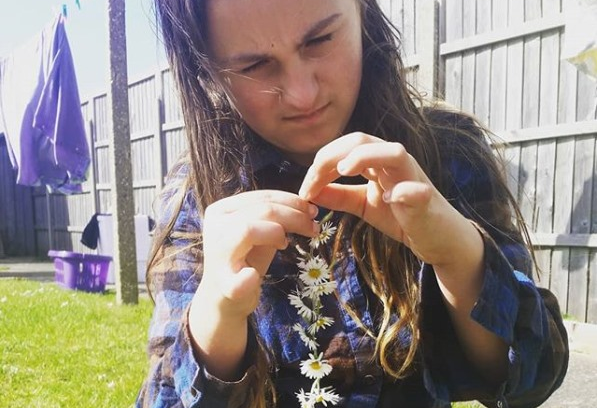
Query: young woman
[(294, 108)]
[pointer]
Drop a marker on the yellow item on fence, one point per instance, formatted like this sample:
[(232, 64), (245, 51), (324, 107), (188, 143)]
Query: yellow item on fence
[(580, 41)]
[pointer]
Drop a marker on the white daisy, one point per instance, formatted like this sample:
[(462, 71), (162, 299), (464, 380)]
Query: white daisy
[(303, 310), (315, 271), (304, 399), (324, 288), (303, 256), (301, 251), (321, 323), (309, 342), (325, 395), (324, 235), (315, 367)]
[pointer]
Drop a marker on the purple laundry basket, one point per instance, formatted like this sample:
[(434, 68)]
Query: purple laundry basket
[(77, 271)]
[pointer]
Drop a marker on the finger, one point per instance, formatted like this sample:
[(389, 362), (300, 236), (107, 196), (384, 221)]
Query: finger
[(292, 220), (411, 194), (391, 157), (239, 201), (315, 179), (260, 258), (345, 198), (364, 201), (324, 168), (242, 284), (249, 235)]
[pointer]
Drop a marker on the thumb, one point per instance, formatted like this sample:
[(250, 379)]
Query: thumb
[(410, 195), (345, 198)]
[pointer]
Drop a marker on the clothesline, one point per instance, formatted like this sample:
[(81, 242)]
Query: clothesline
[(64, 8)]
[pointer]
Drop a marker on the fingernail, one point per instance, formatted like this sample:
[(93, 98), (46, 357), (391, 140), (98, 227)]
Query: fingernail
[(387, 196), (313, 210), (304, 189), (304, 193), (341, 167), (316, 227)]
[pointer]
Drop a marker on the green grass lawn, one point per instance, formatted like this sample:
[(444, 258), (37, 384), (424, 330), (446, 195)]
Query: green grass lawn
[(62, 348)]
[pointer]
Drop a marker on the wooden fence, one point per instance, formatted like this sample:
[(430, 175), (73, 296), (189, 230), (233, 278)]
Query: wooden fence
[(17, 233), (502, 62), (497, 59)]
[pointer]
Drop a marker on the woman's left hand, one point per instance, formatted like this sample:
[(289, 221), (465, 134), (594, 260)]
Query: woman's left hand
[(399, 199)]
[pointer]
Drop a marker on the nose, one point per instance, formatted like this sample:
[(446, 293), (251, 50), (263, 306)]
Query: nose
[(300, 86)]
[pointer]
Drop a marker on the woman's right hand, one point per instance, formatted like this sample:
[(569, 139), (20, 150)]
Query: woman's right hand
[(241, 235)]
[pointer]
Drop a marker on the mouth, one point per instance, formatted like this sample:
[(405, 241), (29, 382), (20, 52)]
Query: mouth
[(310, 116)]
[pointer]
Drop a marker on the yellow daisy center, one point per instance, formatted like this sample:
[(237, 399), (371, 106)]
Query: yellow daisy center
[(314, 273), (315, 365)]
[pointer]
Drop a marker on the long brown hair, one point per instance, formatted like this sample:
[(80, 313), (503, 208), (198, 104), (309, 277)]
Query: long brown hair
[(387, 107)]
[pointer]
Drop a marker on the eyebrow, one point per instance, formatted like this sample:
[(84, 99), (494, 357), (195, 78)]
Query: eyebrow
[(312, 31)]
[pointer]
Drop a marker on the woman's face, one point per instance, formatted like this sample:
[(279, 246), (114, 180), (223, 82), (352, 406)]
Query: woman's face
[(292, 68)]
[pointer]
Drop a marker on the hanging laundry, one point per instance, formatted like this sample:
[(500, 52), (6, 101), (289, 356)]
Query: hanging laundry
[(40, 113)]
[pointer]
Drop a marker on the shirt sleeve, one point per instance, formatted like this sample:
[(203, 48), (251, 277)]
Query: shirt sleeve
[(510, 305), (176, 378)]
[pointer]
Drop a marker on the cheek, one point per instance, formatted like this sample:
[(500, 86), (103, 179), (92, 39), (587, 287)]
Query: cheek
[(251, 101), (256, 108), (346, 64), (345, 73)]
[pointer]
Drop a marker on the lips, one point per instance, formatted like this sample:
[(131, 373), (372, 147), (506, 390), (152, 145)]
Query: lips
[(308, 116)]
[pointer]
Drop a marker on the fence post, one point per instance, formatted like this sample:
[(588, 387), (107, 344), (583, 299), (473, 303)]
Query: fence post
[(50, 219), (159, 145), (428, 46), (123, 206), (92, 175)]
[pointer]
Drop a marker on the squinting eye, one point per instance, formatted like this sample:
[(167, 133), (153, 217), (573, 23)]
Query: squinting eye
[(319, 40), (253, 67)]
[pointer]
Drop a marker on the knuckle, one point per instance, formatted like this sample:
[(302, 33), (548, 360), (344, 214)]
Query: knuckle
[(268, 212), (267, 195), (319, 157), (362, 138), (358, 138), (400, 150), (247, 230)]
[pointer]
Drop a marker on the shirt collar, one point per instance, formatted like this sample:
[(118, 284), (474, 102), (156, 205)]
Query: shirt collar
[(262, 155)]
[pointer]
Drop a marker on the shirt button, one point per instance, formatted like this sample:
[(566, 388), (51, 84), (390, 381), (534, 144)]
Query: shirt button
[(369, 379)]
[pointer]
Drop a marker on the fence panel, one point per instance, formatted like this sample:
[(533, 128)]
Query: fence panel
[(17, 233), (545, 109)]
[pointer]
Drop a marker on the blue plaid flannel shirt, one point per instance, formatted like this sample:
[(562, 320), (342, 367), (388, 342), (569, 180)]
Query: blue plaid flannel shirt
[(510, 305)]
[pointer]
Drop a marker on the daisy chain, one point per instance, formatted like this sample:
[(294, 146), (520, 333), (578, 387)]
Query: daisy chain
[(315, 281)]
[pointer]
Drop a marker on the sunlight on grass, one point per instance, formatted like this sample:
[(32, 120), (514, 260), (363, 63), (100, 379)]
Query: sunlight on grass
[(64, 348)]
